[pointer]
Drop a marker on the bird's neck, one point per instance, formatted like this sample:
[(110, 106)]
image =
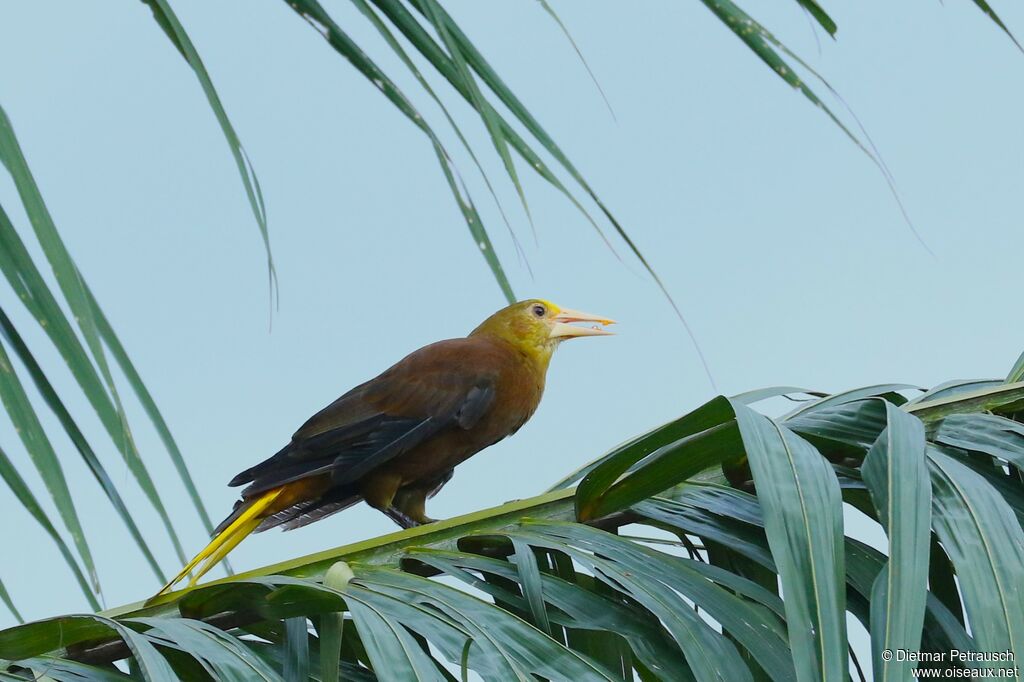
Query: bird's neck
[(535, 357)]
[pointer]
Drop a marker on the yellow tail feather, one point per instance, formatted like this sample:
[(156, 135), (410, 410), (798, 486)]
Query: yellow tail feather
[(226, 540)]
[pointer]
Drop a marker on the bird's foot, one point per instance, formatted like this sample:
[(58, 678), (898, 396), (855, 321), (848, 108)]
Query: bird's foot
[(406, 521)]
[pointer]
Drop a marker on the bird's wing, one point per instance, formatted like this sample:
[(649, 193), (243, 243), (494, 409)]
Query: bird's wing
[(438, 387)]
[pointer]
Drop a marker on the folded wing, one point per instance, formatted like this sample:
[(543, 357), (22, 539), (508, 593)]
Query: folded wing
[(426, 393)]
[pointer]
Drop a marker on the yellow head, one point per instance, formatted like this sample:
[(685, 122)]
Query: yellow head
[(536, 327)]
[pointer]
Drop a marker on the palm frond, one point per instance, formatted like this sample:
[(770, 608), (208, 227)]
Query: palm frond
[(548, 587), (84, 353), (175, 32), (52, 399)]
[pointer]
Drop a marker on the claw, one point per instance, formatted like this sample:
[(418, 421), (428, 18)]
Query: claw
[(404, 520)]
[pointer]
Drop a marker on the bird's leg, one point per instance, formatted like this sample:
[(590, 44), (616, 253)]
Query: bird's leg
[(406, 506), (379, 489)]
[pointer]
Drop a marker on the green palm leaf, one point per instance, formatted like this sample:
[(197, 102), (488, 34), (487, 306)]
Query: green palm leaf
[(804, 523), (149, 405), (67, 275), (27, 425), (317, 17), (5, 597), (172, 28), (28, 283), (987, 9), (986, 545), (27, 500), (896, 475), (99, 472)]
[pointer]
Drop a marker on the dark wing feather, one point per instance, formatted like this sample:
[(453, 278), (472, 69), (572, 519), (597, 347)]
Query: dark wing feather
[(344, 462), (359, 438), (477, 402), (315, 513), (435, 388), (306, 513)]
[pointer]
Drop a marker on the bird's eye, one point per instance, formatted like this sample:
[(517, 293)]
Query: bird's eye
[(539, 311)]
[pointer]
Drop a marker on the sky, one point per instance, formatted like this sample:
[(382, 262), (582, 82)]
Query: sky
[(778, 238)]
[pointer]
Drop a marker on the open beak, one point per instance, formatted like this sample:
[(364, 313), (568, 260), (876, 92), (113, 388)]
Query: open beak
[(563, 327)]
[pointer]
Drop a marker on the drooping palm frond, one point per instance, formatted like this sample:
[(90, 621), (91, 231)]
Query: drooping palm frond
[(85, 337), (736, 564), (439, 40), (85, 353), (175, 32)]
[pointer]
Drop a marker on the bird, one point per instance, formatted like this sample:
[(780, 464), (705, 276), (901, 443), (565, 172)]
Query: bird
[(395, 440)]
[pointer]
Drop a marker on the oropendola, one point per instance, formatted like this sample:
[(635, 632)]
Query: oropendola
[(395, 440)]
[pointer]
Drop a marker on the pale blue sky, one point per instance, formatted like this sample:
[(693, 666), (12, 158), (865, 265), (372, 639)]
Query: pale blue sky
[(778, 238)]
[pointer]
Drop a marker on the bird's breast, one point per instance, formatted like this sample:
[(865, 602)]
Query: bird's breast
[(518, 389)]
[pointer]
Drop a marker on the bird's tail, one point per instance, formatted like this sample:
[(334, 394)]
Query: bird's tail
[(245, 521)]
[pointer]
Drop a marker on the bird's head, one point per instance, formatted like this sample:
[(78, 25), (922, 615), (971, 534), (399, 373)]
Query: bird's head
[(536, 326)]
